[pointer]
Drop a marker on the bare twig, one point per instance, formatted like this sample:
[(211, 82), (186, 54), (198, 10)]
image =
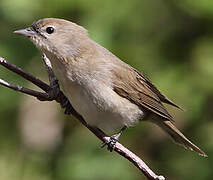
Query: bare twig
[(24, 90), (24, 74), (119, 148)]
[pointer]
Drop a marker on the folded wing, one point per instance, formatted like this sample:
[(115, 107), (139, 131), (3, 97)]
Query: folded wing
[(131, 84)]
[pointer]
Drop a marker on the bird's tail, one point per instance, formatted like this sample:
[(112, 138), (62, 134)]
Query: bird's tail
[(178, 137)]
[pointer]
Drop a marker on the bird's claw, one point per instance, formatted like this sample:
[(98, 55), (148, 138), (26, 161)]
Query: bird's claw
[(53, 92), (110, 144), (54, 88), (112, 140)]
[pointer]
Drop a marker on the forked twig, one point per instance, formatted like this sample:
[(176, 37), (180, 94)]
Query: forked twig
[(61, 98)]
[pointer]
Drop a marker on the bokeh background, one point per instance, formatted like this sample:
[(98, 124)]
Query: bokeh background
[(169, 41)]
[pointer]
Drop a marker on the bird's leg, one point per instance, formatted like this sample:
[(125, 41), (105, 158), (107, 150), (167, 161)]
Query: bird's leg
[(54, 89), (113, 139), (54, 92)]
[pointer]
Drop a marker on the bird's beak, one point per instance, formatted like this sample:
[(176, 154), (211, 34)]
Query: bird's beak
[(25, 32)]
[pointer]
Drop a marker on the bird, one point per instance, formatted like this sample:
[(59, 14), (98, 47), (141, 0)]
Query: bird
[(107, 92)]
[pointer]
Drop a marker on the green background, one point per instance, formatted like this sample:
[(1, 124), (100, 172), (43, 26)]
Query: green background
[(169, 41)]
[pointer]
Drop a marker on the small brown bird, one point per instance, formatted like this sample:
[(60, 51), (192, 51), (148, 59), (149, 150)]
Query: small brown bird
[(107, 92)]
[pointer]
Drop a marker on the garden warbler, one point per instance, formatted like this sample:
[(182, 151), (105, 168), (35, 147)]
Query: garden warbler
[(106, 91)]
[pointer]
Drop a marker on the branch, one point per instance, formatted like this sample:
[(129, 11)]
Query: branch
[(24, 90), (24, 74), (61, 98)]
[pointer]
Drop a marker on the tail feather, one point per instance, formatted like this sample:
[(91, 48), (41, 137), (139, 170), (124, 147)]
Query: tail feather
[(178, 137)]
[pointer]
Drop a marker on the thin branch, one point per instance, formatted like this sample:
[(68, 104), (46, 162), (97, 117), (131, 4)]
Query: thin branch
[(119, 148), (24, 90), (24, 74)]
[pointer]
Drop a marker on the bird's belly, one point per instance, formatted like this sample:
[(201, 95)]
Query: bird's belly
[(102, 107), (96, 101)]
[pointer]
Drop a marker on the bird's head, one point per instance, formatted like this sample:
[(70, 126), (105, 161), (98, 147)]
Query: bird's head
[(56, 36)]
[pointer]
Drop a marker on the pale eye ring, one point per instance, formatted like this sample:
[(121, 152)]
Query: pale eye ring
[(50, 30)]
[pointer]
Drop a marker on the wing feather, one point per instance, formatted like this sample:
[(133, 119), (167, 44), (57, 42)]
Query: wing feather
[(131, 84)]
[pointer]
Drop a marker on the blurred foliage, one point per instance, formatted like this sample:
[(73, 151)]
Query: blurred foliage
[(169, 41)]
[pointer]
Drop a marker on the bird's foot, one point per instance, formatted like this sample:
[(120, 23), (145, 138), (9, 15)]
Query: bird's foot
[(53, 92), (111, 142), (54, 89)]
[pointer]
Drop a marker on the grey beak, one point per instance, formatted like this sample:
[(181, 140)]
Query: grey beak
[(25, 32)]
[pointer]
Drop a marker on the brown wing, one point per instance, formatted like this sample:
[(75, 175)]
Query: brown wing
[(156, 91), (139, 90)]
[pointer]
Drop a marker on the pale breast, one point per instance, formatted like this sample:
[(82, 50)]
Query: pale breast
[(101, 106), (91, 94)]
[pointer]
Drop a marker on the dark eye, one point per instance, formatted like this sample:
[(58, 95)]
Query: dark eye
[(49, 30)]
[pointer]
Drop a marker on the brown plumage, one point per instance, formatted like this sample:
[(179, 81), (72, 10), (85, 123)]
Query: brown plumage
[(107, 92), (140, 91)]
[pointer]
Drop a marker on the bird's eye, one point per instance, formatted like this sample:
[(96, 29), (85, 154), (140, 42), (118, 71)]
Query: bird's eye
[(49, 30)]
